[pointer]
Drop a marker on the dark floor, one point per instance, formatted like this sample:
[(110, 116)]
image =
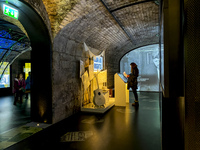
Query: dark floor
[(13, 116), (118, 129)]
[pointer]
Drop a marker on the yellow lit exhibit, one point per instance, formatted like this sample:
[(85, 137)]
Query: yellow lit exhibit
[(95, 94), (5, 80), (27, 69)]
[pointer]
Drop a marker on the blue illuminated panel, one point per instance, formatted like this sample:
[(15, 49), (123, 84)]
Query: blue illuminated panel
[(98, 63)]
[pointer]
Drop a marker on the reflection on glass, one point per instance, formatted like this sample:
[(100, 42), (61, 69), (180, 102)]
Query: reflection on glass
[(148, 60)]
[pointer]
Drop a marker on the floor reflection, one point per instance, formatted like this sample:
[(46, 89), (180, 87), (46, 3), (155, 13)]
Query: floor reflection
[(12, 116), (121, 128)]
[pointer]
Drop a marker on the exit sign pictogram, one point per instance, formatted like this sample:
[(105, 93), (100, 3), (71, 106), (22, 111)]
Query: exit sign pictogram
[(9, 11)]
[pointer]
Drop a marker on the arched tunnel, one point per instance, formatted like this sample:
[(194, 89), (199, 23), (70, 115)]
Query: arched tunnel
[(57, 36)]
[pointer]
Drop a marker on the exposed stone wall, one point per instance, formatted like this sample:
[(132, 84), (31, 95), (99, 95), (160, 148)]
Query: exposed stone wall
[(57, 10), (39, 6), (66, 81)]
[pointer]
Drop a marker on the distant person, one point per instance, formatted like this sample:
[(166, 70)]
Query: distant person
[(19, 88), (132, 81), (28, 85)]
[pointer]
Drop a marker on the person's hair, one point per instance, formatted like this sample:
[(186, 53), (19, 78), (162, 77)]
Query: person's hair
[(133, 65)]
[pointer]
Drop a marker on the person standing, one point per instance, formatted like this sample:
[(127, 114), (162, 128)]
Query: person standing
[(132, 81), (19, 88), (28, 85)]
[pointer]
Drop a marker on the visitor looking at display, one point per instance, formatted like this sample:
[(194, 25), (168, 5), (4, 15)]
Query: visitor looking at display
[(132, 81)]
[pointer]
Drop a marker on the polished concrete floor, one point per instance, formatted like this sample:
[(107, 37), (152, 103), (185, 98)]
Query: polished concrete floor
[(121, 128), (13, 116)]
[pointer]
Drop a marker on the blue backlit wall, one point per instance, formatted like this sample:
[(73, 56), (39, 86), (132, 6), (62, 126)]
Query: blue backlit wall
[(12, 44), (5, 44)]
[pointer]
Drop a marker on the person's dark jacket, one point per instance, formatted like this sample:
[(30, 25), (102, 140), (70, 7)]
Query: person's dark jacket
[(19, 84), (132, 79)]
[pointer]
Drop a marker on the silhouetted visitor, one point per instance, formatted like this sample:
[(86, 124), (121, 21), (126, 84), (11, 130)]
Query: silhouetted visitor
[(132, 81), (19, 88), (28, 85)]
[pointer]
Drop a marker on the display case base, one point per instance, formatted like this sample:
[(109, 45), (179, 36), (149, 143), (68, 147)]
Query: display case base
[(91, 108)]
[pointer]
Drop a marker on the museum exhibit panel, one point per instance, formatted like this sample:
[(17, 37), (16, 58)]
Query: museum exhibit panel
[(95, 94), (121, 91), (27, 69)]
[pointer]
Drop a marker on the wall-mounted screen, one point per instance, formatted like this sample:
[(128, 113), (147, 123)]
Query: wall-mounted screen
[(5, 81), (147, 59), (98, 63)]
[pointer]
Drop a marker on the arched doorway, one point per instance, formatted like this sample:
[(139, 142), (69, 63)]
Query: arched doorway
[(41, 55)]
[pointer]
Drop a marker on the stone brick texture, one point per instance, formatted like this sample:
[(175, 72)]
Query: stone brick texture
[(39, 6), (72, 22)]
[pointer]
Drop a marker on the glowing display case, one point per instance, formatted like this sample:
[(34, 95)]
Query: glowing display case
[(94, 92), (101, 78)]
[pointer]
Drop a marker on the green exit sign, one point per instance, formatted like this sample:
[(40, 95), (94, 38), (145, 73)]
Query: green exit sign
[(9, 11)]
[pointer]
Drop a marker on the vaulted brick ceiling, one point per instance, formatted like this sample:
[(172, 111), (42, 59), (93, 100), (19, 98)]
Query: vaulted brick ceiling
[(116, 26)]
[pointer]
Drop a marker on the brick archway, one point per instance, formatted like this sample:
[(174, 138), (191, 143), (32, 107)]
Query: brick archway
[(41, 104)]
